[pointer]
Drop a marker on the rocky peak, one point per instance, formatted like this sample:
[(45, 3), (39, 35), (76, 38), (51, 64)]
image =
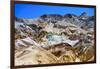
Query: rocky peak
[(83, 15), (19, 19), (53, 18), (51, 15), (69, 16)]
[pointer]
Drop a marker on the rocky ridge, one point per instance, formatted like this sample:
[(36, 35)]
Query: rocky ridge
[(60, 39)]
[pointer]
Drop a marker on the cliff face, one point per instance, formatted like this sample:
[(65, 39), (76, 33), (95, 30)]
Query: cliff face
[(55, 38)]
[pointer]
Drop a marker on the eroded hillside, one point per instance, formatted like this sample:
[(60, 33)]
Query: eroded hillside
[(53, 38)]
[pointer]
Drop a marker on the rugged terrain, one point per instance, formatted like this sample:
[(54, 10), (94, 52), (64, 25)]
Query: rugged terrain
[(54, 38)]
